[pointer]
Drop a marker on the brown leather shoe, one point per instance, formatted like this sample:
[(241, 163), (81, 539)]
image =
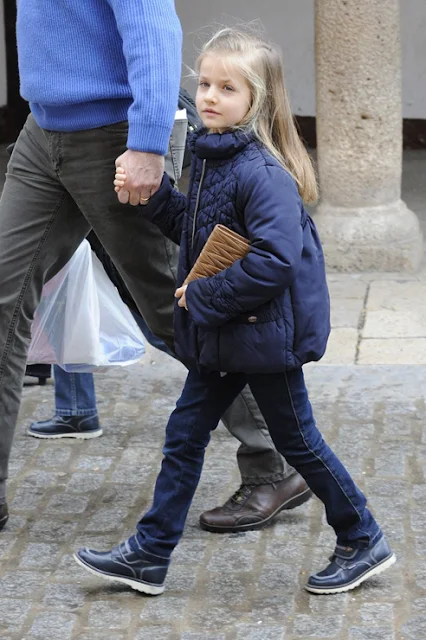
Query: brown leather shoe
[(253, 507), (4, 515)]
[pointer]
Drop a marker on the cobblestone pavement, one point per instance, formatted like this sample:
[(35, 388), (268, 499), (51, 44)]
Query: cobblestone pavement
[(230, 587)]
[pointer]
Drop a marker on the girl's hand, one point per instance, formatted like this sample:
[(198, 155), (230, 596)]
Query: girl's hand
[(120, 179), (180, 293)]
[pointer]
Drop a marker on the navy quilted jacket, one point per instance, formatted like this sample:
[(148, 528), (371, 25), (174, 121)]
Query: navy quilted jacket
[(270, 311)]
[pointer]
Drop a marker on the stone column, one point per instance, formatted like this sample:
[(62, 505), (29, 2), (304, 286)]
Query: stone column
[(362, 221)]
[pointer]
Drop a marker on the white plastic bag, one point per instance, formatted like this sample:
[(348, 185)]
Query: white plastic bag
[(82, 323)]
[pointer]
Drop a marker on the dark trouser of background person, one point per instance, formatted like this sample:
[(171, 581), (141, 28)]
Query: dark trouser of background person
[(49, 203)]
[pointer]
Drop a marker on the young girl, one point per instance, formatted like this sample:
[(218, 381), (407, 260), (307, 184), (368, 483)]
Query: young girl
[(256, 322)]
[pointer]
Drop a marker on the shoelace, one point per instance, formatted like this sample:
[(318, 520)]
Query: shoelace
[(241, 494), (244, 492)]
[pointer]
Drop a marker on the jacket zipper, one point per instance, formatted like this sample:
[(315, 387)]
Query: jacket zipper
[(197, 202)]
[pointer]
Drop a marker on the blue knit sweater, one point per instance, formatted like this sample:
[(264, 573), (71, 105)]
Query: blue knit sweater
[(91, 63)]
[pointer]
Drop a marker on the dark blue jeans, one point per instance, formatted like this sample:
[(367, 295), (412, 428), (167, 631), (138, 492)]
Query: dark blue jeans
[(75, 392), (283, 401)]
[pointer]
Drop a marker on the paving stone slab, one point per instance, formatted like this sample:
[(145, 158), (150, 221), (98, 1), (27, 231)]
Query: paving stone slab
[(392, 351)]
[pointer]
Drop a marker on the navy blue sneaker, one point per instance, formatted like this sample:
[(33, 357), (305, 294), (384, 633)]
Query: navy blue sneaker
[(143, 571), (80, 427), (350, 567)]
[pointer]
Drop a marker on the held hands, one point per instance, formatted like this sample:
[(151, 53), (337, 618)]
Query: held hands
[(181, 294), (120, 179), (119, 182), (141, 173)]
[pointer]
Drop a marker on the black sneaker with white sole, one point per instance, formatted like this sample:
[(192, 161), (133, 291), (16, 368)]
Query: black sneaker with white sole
[(350, 567), (79, 427), (141, 571)]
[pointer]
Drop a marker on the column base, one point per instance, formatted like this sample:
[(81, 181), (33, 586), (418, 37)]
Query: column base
[(384, 238)]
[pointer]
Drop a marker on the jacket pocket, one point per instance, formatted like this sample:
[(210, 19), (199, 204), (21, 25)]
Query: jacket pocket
[(255, 347), (264, 313)]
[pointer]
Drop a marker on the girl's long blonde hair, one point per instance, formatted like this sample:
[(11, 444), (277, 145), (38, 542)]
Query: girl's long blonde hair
[(269, 116)]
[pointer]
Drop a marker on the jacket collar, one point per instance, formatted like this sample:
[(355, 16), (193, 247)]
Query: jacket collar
[(219, 145)]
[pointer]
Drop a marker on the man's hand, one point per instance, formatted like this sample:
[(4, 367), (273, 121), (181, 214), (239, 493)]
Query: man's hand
[(181, 294), (144, 173)]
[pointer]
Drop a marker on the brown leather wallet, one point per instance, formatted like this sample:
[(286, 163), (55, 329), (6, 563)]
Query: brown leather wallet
[(222, 249)]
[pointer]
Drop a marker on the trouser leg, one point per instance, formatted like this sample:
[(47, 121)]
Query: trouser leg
[(198, 411), (145, 259), (74, 393), (40, 228), (283, 399), (258, 460)]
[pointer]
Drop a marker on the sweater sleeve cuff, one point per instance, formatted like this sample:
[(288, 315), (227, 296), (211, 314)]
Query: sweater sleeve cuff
[(148, 137)]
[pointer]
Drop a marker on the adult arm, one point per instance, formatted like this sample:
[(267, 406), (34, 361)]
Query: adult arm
[(152, 42)]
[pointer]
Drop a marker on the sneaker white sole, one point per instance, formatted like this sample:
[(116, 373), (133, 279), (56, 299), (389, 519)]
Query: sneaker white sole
[(85, 435), (374, 571), (137, 586)]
